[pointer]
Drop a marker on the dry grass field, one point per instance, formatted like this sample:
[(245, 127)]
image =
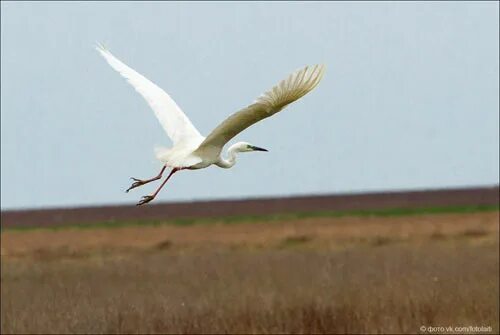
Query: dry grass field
[(302, 275)]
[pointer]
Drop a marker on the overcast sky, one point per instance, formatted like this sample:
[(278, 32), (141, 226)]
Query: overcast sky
[(409, 100)]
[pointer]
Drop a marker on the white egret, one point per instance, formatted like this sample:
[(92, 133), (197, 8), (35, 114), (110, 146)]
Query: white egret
[(190, 149)]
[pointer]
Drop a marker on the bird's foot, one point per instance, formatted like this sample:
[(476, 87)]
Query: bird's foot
[(137, 183), (145, 199)]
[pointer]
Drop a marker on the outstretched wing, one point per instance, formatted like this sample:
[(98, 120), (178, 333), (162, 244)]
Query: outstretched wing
[(171, 117), (287, 91)]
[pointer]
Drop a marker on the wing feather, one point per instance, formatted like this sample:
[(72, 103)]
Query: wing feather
[(285, 92), (176, 124)]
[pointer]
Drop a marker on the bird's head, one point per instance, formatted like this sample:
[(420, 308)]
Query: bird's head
[(246, 147)]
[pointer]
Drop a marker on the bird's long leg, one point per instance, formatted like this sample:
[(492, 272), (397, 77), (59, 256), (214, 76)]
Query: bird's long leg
[(147, 198), (139, 182)]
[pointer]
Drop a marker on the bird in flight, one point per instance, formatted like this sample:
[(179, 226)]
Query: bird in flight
[(190, 149)]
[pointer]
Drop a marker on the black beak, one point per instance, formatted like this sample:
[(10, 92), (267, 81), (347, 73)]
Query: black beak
[(258, 149)]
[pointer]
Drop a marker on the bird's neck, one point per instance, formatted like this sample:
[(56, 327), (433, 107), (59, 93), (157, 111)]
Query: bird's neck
[(228, 162)]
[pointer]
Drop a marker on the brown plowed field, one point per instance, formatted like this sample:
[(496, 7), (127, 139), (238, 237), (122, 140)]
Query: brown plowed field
[(262, 206)]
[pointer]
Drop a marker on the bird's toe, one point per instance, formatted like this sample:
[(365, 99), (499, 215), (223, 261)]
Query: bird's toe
[(145, 199), (135, 184)]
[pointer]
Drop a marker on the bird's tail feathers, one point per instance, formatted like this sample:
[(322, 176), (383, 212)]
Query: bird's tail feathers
[(161, 153)]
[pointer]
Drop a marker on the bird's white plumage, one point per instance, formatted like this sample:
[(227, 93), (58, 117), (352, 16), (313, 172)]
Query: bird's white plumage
[(190, 148), (180, 156), (177, 125)]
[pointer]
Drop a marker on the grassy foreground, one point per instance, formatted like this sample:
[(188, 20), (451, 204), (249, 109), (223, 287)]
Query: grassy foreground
[(315, 274)]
